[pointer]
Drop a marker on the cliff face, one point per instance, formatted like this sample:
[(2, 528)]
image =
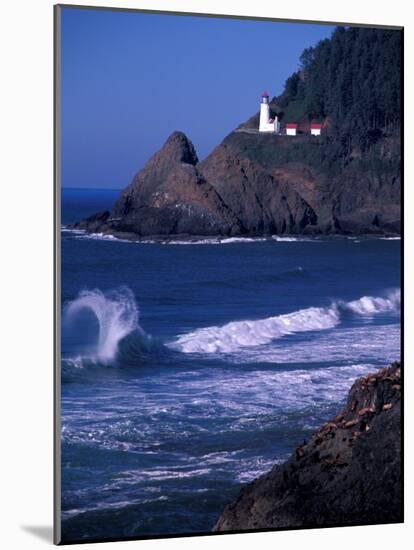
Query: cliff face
[(252, 184), (169, 196), (283, 184), (262, 199), (348, 473)]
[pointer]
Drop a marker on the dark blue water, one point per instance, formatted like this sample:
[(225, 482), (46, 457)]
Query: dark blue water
[(189, 369)]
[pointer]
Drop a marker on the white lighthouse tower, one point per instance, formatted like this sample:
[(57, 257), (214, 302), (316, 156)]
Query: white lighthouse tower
[(267, 124)]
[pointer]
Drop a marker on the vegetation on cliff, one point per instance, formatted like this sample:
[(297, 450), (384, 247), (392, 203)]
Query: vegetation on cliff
[(351, 83)]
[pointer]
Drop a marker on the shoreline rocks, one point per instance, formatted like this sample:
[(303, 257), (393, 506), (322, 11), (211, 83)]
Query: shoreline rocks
[(349, 473)]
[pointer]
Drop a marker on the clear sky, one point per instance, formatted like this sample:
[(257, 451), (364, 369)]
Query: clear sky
[(130, 79)]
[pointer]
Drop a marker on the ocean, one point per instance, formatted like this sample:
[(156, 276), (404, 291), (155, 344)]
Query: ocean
[(189, 369)]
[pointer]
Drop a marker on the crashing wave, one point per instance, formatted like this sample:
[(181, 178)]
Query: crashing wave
[(241, 334), (369, 305), (116, 313), (119, 332)]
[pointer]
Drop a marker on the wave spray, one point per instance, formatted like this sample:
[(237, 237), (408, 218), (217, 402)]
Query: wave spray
[(237, 335), (116, 313)]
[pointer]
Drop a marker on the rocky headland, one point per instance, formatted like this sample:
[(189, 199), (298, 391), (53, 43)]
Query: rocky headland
[(345, 181), (250, 185), (349, 473)]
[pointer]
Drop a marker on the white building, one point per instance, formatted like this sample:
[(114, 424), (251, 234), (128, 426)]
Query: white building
[(291, 129), (316, 129), (267, 124)]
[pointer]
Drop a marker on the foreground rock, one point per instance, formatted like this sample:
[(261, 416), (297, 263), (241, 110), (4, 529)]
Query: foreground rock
[(348, 473)]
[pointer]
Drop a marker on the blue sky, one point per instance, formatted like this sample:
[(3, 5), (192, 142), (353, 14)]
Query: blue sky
[(130, 79)]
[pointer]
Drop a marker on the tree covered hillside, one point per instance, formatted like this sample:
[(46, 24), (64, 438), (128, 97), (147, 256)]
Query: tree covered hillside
[(351, 82)]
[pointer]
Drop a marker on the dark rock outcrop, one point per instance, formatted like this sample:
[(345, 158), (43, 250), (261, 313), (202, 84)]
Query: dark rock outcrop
[(252, 184), (348, 473), (169, 196), (261, 200), (285, 184)]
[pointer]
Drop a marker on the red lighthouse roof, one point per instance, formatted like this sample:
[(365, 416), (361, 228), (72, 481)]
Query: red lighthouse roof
[(316, 126), (291, 125), (265, 94)]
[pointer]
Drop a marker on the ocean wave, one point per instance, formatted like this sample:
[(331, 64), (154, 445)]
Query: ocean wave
[(369, 305), (292, 239), (102, 237), (390, 238), (231, 240), (249, 333), (83, 234), (120, 336), (116, 313), (239, 334), (204, 241), (177, 241), (71, 231)]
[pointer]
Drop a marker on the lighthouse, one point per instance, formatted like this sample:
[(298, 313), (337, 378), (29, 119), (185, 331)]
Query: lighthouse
[(267, 124)]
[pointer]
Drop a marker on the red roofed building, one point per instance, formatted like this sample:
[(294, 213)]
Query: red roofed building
[(291, 129), (316, 129)]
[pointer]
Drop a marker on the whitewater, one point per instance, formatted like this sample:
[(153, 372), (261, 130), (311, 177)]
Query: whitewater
[(117, 315), (187, 370), (239, 334)]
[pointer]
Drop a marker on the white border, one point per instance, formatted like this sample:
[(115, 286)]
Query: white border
[(27, 273)]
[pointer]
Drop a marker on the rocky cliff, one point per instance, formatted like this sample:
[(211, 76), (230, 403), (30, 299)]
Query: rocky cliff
[(346, 181), (348, 473), (169, 196), (253, 184)]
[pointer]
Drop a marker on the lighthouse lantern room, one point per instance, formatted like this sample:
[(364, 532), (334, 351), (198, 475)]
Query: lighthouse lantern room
[(267, 124)]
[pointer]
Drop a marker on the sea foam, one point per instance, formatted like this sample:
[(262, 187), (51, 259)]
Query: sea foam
[(369, 305), (236, 335), (292, 239)]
